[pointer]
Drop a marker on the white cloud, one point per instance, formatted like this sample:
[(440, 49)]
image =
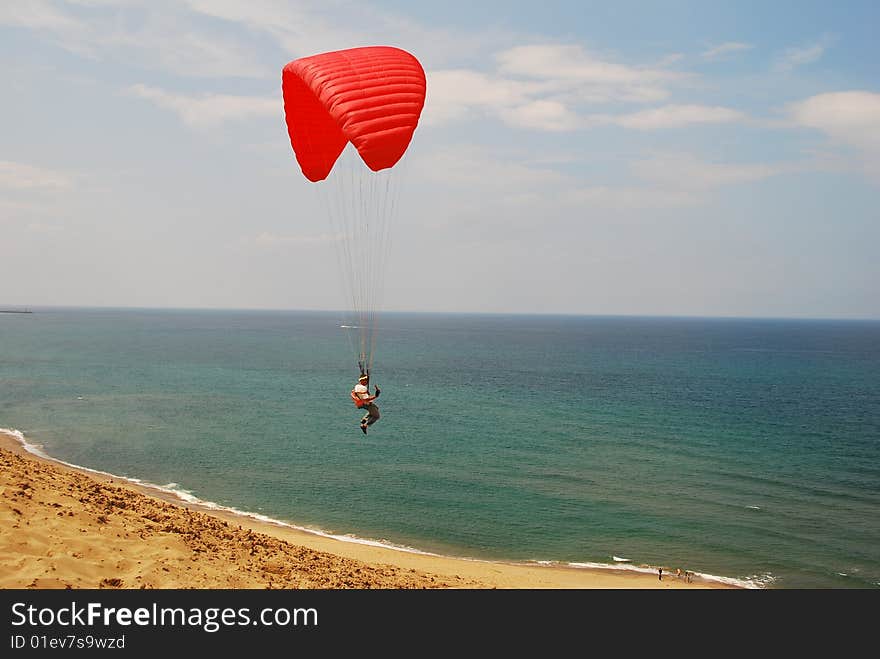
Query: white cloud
[(307, 27), (630, 197), (465, 164), (44, 17), (19, 176), (572, 72), (174, 36), (671, 180), (187, 52), (572, 62), (547, 88), (460, 93), (155, 35), (674, 116), (662, 180), (540, 87), (209, 109), (37, 15), (794, 57), (685, 171), (724, 50), (670, 59), (300, 28), (851, 117), (543, 115)]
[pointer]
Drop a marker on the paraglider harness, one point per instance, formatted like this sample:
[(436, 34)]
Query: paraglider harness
[(358, 401)]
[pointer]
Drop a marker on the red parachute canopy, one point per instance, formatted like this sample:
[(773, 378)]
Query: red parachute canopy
[(371, 97)]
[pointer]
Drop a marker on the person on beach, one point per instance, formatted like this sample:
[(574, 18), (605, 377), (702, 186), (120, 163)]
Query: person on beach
[(362, 398)]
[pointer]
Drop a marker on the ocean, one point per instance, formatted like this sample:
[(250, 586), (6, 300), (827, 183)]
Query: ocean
[(744, 450)]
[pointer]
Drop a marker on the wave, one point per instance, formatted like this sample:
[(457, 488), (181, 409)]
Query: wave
[(175, 491), (750, 583)]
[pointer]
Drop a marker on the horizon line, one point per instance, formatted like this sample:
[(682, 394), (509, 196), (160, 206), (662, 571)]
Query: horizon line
[(571, 314)]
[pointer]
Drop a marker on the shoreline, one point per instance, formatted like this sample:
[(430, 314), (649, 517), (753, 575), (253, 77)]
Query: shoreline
[(330, 561)]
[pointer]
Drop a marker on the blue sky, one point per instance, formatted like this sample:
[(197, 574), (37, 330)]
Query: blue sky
[(651, 158)]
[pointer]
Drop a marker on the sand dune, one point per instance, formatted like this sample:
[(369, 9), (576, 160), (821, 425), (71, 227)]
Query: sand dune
[(65, 528)]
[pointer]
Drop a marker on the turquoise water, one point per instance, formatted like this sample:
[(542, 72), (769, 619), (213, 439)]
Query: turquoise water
[(740, 448)]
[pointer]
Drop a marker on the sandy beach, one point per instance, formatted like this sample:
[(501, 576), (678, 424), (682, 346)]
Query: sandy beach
[(62, 527)]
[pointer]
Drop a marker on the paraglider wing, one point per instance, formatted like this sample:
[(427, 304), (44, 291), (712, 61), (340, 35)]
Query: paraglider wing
[(371, 97)]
